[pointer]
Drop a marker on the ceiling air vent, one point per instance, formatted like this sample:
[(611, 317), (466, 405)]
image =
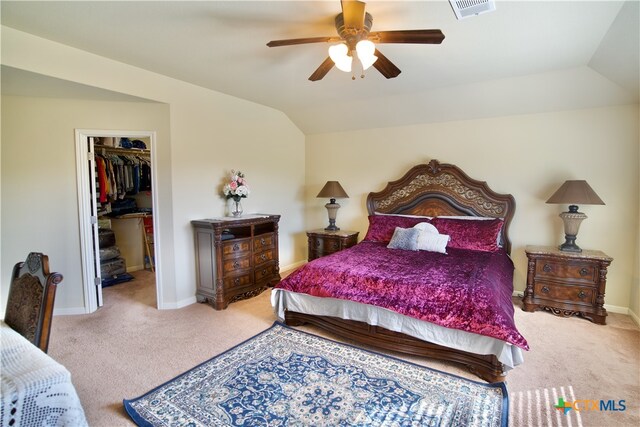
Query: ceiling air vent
[(466, 8)]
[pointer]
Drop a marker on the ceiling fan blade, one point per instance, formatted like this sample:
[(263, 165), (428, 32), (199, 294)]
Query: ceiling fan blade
[(407, 36), (289, 42), (353, 13), (386, 67), (322, 70)]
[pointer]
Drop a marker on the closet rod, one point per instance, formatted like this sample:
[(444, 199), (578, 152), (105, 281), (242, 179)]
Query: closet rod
[(127, 151)]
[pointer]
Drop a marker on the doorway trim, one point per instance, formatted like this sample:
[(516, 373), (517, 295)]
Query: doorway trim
[(84, 212)]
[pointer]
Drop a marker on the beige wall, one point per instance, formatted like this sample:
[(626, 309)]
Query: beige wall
[(209, 133), (634, 304), (39, 189), (529, 156)]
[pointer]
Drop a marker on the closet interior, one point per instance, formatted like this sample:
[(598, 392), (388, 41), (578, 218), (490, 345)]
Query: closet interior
[(123, 205)]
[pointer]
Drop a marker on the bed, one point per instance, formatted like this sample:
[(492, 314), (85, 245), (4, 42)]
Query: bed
[(454, 306)]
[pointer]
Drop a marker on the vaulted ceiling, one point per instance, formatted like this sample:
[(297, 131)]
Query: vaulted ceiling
[(524, 57)]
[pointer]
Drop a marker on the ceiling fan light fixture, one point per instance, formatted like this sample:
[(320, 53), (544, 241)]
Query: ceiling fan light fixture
[(339, 54), (366, 50)]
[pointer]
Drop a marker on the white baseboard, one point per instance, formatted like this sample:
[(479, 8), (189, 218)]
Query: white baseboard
[(634, 317), (179, 304), (69, 311), (616, 309)]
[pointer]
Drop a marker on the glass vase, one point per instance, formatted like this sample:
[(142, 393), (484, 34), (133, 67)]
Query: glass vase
[(236, 208)]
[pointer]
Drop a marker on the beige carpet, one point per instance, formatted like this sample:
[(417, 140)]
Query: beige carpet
[(128, 347)]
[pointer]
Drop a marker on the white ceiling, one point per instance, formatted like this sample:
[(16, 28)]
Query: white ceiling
[(524, 57)]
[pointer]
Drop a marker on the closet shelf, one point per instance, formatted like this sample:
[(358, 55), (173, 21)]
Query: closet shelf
[(102, 149)]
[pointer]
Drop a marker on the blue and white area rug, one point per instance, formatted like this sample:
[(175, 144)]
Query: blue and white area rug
[(285, 377)]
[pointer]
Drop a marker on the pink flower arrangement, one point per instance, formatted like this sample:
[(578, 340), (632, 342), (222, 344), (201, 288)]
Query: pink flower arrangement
[(237, 186)]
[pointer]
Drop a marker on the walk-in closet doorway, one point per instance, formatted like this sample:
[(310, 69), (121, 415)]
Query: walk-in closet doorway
[(117, 198)]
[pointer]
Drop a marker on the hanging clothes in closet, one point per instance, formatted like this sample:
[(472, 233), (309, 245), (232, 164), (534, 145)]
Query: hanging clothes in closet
[(119, 175)]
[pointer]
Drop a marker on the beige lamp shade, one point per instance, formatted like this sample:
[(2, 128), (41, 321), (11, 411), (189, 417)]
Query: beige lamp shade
[(332, 190), (574, 192)]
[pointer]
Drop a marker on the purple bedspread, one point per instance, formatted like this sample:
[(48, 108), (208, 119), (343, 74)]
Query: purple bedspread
[(464, 289)]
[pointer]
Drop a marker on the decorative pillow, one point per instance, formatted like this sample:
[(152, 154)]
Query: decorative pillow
[(475, 235), (476, 218), (427, 227), (381, 227), (433, 242), (404, 238)]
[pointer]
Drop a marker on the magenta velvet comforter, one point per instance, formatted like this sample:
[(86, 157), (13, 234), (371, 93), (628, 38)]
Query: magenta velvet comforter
[(464, 289)]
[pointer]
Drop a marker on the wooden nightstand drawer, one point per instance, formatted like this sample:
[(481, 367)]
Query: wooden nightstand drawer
[(580, 271), (324, 245), (584, 295), (236, 248), (263, 241), (233, 265), (321, 242)]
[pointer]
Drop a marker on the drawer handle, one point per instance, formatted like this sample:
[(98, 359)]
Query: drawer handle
[(335, 245), (318, 243), (546, 268), (264, 272), (263, 257), (582, 294), (263, 242), (545, 289), (584, 271), (236, 281), (236, 247), (236, 264)]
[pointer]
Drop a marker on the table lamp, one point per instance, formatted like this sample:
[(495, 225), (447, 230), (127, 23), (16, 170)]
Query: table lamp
[(333, 190), (573, 192)]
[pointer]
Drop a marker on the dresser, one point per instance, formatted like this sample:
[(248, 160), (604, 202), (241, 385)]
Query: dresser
[(567, 283), (322, 242), (236, 258)]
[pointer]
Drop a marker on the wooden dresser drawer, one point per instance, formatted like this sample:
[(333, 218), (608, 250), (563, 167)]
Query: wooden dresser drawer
[(235, 248), (584, 295), (579, 271), (237, 282), (237, 264), (262, 257), (262, 242), (265, 272)]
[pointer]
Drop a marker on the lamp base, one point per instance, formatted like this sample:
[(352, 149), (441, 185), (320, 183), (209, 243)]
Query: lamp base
[(570, 244), (332, 210), (571, 220)]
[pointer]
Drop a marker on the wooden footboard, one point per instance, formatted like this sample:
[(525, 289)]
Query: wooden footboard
[(486, 367)]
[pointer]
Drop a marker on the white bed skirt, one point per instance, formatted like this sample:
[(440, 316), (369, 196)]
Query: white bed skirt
[(283, 300)]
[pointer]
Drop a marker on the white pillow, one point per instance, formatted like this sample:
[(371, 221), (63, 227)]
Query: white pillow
[(427, 227), (433, 242)]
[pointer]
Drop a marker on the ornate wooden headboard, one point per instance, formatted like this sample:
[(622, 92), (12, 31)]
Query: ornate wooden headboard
[(440, 189)]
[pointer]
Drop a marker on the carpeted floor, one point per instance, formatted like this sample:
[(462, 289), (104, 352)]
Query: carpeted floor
[(128, 347)]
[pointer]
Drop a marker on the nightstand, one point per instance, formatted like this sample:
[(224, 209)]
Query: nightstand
[(323, 242), (567, 283)]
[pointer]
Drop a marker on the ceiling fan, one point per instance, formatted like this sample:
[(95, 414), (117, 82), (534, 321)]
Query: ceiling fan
[(357, 44)]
